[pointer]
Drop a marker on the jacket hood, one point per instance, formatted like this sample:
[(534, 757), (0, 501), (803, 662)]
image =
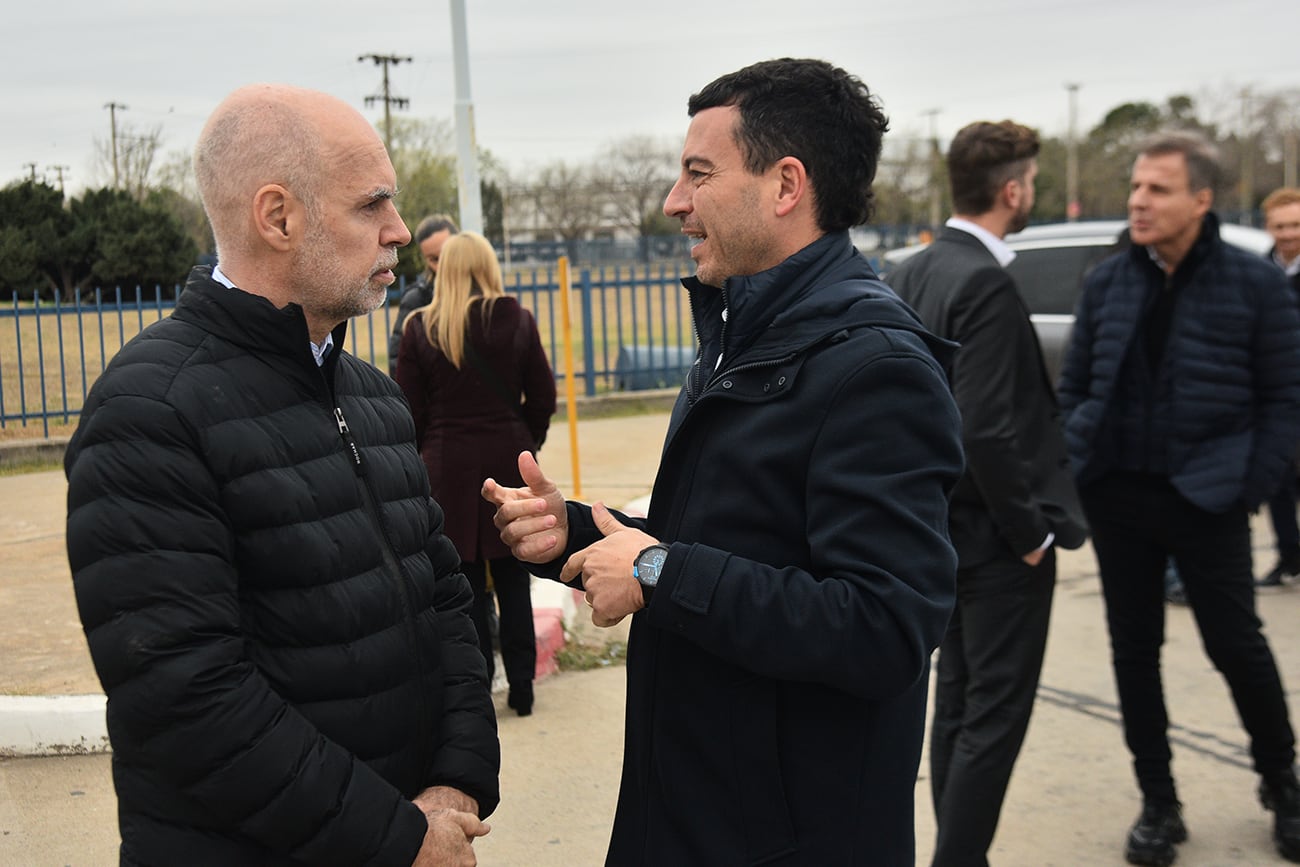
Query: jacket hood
[(825, 288)]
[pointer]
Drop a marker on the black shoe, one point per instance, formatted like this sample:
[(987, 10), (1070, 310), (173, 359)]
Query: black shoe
[(520, 699), (1151, 839), (1287, 567), (1282, 795)]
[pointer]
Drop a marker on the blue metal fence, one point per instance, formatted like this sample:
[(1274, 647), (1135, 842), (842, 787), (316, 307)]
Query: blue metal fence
[(631, 328)]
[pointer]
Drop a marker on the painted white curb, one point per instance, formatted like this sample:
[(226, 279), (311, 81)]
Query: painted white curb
[(52, 725)]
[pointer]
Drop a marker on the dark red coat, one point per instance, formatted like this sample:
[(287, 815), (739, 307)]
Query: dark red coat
[(465, 429)]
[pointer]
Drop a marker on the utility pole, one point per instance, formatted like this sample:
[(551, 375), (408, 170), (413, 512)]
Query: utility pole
[(934, 171), (59, 170), (1289, 158), (1072, 158), (1247, 140), (471, 197), (31, 171), (386, 60), (113, 108)]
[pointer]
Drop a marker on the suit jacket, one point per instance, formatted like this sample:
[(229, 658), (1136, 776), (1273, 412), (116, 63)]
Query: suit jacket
[(1017, 486)]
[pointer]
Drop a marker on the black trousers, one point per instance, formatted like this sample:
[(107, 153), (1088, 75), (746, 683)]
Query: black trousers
[(1281, 511), (510, 583), (986, 679), (1137, 521)]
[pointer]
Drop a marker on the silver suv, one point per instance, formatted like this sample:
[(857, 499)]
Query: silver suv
[(1051, 261)]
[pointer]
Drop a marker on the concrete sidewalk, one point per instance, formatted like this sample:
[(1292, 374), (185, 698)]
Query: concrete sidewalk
[(1071, 800), (50, 699)]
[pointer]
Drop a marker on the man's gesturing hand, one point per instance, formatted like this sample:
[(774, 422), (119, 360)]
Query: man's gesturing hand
[(532, 520), (606, 569)]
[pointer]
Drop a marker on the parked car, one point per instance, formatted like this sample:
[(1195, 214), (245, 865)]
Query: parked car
[(1050, 264)]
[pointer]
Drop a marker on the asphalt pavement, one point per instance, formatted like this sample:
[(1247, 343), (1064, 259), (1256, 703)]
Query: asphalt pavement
[(1071, 800)]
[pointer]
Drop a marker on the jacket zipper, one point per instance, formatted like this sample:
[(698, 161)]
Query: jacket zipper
[(695, 385), (395, 568)]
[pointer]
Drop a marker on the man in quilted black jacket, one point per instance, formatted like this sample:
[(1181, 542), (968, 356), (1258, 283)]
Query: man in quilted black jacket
[(1181, 394), (277, 620)]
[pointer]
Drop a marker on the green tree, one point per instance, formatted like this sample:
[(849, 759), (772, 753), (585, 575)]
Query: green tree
[(423, 159), (19, 263), (177, 193), (1050, 188), (136, 244), (1106, 155), (40, 236), (494, 209)]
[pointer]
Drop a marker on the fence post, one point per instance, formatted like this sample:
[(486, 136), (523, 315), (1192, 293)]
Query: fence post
[(40, 366), (588, 335)]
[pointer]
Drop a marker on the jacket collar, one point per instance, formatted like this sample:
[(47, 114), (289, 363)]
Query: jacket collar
[(1207, 242), (756, 301), (963, 231), (824, 288), (249, 321)]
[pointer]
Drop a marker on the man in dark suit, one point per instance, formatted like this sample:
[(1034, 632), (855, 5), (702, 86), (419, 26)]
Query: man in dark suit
[(1016, 500)]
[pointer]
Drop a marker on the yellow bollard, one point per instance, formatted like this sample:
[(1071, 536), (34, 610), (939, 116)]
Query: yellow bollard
[(570, 394)]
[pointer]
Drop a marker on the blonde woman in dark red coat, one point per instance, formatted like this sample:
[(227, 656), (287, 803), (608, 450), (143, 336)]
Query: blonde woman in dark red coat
[(481, 389)]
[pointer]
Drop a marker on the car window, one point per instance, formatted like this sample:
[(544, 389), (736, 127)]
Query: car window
[(1049, 278)]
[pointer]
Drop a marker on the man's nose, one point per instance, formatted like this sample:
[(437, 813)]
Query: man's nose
[(677, 202)]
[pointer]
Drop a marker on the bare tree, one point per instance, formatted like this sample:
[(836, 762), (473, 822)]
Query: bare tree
[(1273, 117), (136, 151), (567, 201), (902, 184), (637, 174)]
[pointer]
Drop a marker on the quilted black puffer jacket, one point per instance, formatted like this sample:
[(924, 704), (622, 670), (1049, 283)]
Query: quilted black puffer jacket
[(1228, 389), (276, 618)]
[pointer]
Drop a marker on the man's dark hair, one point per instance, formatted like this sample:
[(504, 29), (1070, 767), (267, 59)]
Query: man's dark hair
[(816, 113), (983, 156), (432, 225), (1202, 157)]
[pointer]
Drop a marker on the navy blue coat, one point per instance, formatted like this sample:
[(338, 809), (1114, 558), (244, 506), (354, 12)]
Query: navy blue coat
[(279, 624), (1230, 374), (777, 682)]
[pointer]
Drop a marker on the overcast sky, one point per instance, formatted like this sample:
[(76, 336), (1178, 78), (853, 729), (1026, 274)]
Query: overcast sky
[(560, 79)]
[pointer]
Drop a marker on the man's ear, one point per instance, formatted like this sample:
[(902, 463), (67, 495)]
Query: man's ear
[(278, 217), (1011, 192), (793, 184), (1204, 200)]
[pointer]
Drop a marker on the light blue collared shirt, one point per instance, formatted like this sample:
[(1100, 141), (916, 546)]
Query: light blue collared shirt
[(318, 352)]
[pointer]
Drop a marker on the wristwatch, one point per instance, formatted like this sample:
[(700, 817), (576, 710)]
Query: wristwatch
[(646, 568)]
